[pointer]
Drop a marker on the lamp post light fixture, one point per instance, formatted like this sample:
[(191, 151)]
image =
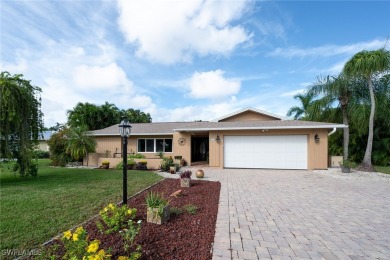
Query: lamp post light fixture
[(124, 130)]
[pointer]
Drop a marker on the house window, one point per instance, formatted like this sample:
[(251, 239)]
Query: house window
[(154, 145)]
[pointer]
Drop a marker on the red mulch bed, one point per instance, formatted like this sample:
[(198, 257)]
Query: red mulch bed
[(184, 236)]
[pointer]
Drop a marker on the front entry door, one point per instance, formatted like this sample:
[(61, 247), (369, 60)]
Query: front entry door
[(199, 149)]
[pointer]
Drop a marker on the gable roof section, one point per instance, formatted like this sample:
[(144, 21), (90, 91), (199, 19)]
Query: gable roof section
[(171, 127), (251, 109)]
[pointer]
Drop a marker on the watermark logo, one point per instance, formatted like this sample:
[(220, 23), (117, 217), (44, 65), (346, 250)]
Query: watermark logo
[(20, 252)]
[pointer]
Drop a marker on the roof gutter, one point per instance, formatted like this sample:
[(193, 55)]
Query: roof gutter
[(132, 134), (259, 128)]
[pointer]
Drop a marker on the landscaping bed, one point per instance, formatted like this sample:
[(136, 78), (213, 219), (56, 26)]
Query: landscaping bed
[(184, 236)]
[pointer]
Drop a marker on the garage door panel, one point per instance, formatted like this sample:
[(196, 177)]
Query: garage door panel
[(272, 152)]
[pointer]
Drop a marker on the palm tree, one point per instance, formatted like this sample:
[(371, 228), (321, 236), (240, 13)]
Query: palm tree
[(302, 112), (79, 143), (368, 64), (335, 89)]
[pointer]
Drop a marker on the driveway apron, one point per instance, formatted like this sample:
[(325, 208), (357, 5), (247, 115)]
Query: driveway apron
[(288, 214)]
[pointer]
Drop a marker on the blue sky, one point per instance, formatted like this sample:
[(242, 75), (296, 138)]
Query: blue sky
[(183, 60)]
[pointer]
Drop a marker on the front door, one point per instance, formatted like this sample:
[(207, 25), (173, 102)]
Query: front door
[(199, 149)]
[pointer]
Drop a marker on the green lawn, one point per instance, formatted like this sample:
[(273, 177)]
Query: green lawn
[(33, 210), (383, 169)]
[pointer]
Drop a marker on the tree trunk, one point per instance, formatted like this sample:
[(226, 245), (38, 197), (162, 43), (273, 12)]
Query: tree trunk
[(366, 164), (345, 134)]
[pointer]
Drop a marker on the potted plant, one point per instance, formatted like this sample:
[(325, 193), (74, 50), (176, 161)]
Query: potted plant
[(178, 158), (172, 168), (185, 178), (105, 165), (142, 165), (346, 166), (158, 209)]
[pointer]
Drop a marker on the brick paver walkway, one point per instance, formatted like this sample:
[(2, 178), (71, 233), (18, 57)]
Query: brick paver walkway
[(272, 214)]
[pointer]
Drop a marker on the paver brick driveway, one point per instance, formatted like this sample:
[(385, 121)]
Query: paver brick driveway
[(283, 214)]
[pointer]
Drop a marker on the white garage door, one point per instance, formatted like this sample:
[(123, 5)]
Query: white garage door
[(268, 152)]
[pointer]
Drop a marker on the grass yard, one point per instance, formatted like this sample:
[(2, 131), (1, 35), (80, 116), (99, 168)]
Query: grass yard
[(383, 169), (33, 210)]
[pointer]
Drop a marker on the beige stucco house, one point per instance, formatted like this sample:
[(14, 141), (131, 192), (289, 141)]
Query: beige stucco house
[(42, 141), (249, 138)]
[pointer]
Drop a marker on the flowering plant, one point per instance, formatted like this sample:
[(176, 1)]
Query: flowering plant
[(105, 163), (78, 247), (143, 162), (186, 174), (115, 217)]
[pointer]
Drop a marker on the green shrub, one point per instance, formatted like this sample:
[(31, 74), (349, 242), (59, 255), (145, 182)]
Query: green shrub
[(166, 163), (39, 154), (58, 144), (191, 209), (347, 164), (176, 211), (130, 164), (137, 156)]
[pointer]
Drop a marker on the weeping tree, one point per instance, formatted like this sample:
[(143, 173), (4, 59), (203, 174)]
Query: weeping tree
[(368, 64), (20, 121)]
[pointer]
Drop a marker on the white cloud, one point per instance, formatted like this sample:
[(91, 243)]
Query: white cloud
[(212, 84), (327, 50), (195, 112), (293, 93), (67, 74), (100, 77), (336, 68), (173, 31)]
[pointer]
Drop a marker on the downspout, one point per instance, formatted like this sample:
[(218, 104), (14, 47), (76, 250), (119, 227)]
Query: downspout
[(333, 131)]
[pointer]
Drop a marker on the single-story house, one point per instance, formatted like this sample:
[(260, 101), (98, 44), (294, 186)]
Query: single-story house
[(249, 138), (42, 141)]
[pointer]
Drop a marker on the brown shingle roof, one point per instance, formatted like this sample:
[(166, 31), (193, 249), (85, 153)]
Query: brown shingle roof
[(170, 127)]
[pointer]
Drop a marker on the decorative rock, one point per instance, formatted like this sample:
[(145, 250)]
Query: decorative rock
[(176, 194), (199, 173)]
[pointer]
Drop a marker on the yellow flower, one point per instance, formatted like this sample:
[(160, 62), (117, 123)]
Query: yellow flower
[(79, 230), (75, 237), (67, 234), (129, 212), (111, 206), (102, 253), (93, 247)]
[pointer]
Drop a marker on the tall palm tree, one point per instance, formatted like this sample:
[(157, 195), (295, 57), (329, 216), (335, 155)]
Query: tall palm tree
[(368, 64), (335, 89), (303, 111)]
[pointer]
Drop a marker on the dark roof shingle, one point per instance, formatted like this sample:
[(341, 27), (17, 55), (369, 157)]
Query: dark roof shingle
[(169, 128)]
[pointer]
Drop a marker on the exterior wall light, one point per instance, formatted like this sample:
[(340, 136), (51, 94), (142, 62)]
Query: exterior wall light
[(218, 140), (124, 130), (316, 138)]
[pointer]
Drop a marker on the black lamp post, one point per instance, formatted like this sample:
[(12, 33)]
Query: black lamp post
[(124, 130)]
